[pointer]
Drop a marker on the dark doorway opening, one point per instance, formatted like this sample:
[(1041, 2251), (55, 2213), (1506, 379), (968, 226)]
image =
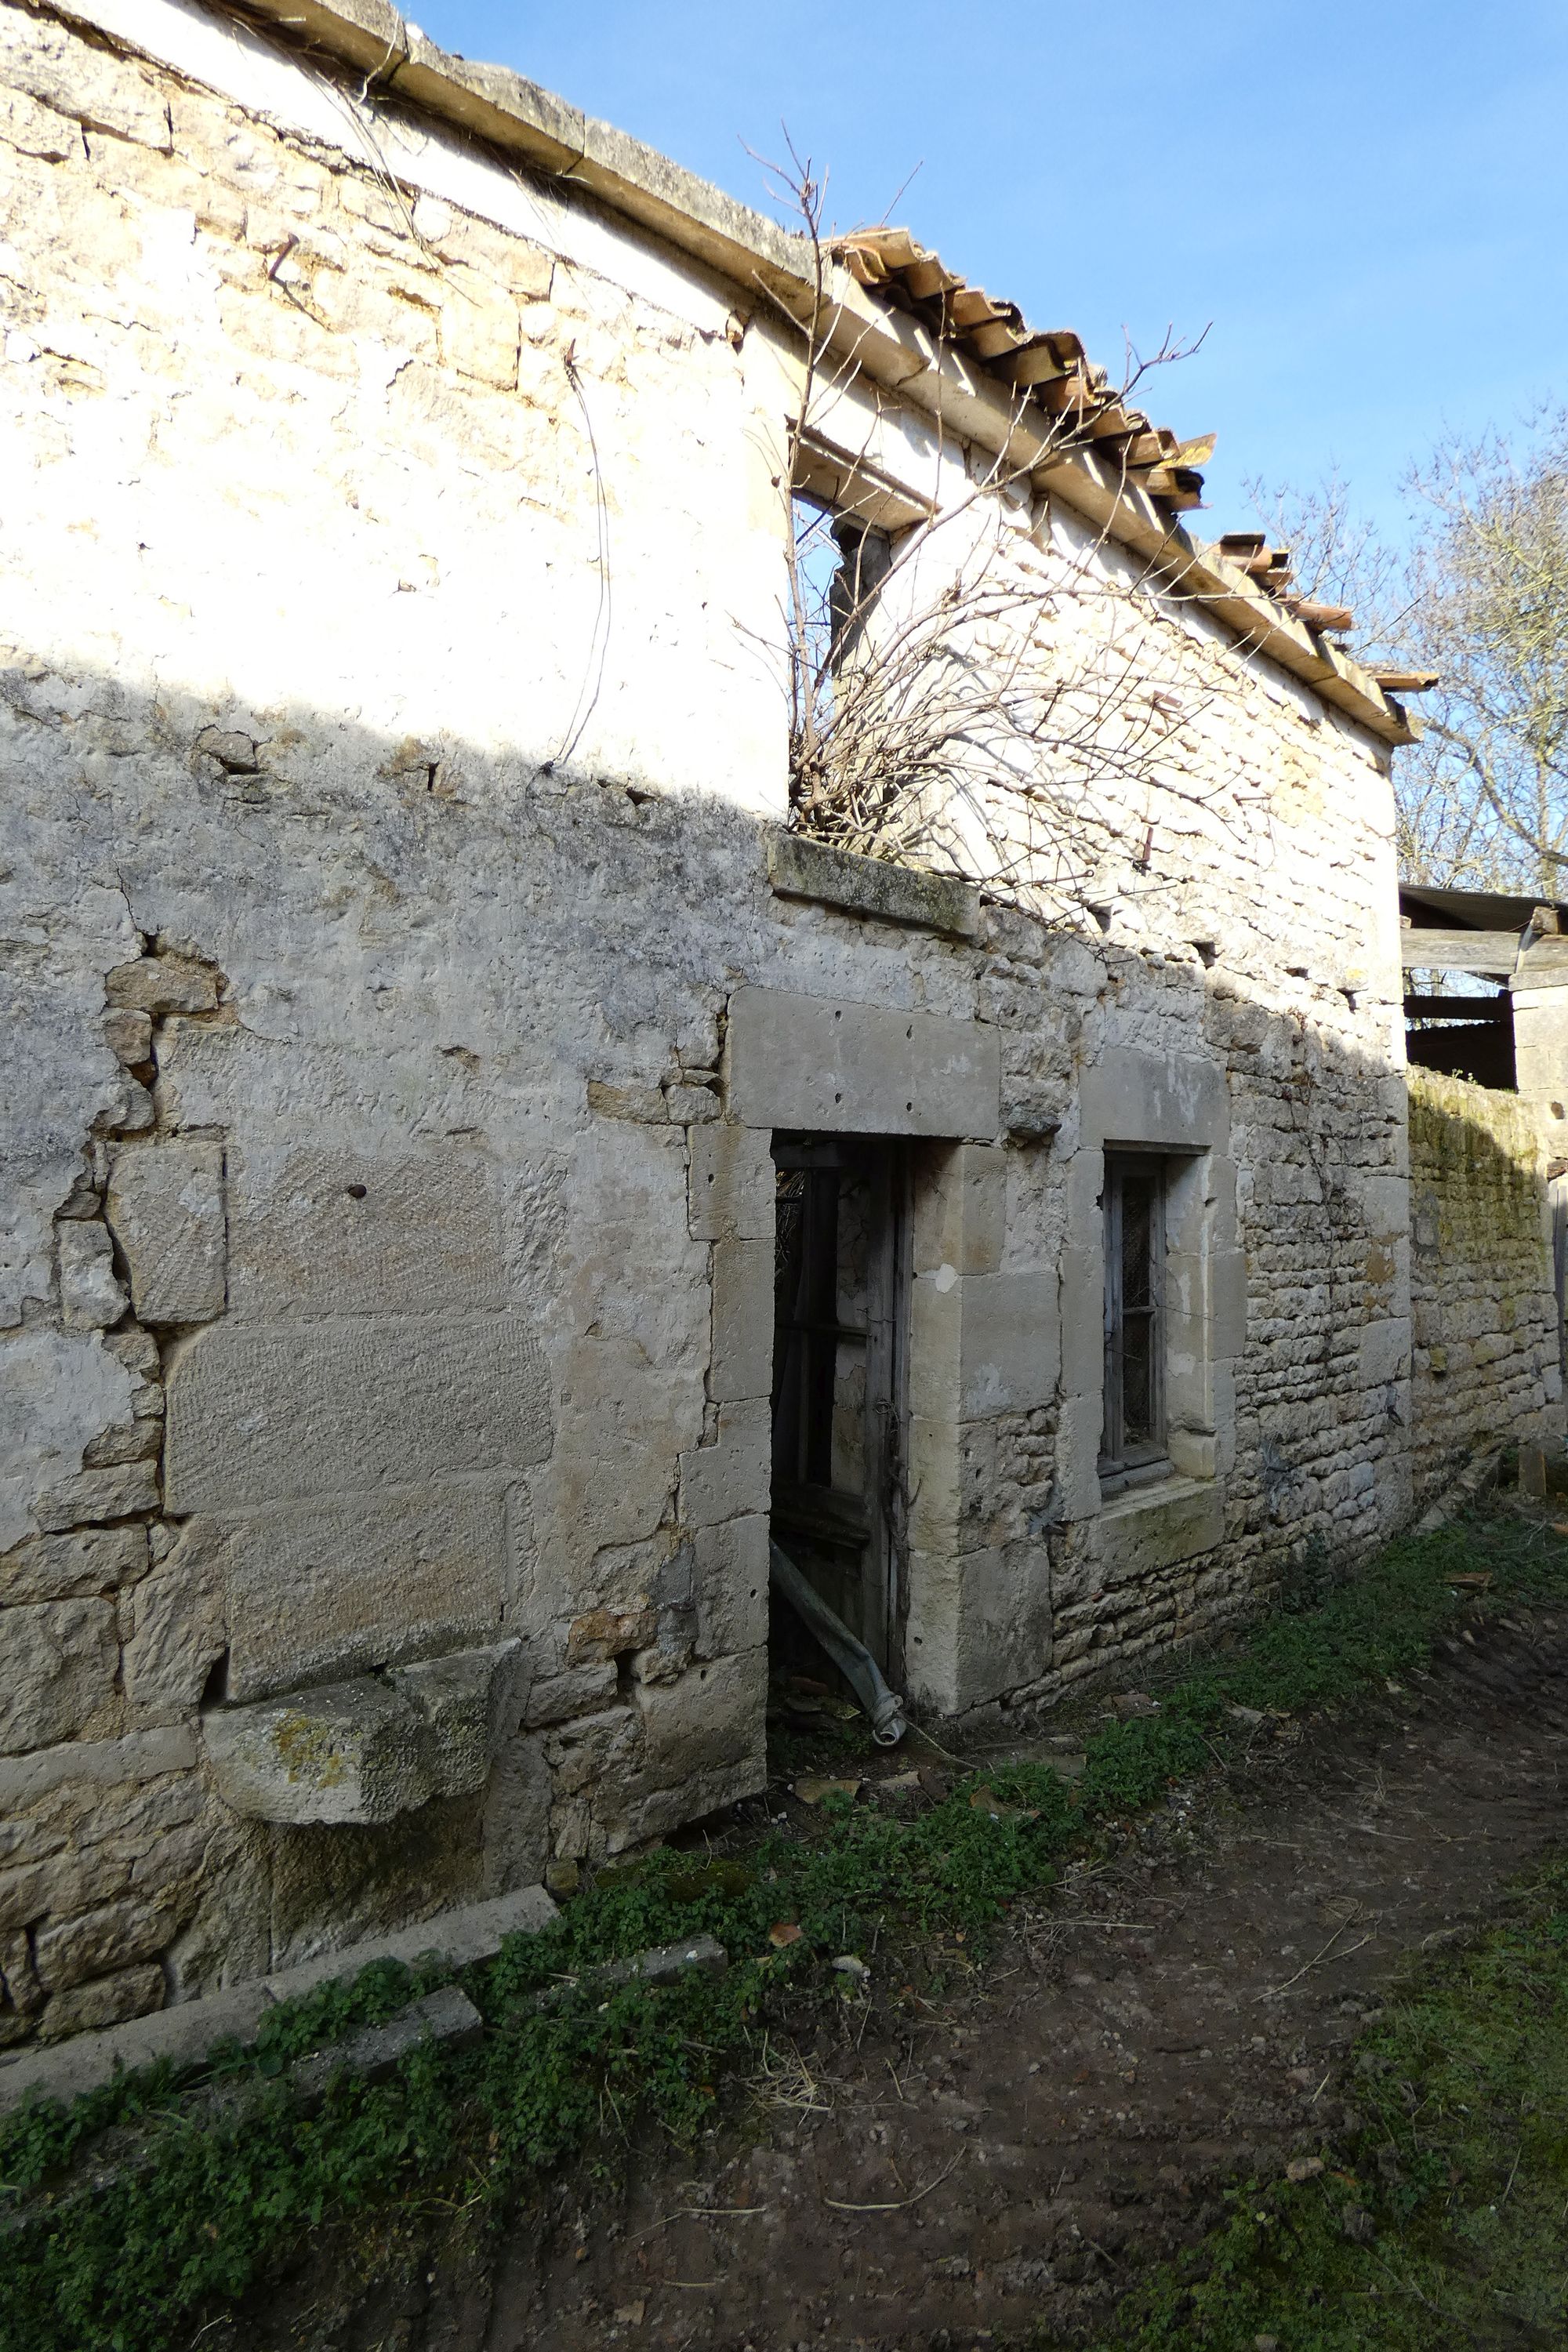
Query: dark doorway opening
[(840, 1306)]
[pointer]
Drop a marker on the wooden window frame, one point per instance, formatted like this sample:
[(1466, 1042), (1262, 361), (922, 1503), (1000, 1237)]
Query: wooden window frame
[(1146, 1459)]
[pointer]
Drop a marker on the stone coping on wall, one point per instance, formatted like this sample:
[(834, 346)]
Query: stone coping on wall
[(801, 868)]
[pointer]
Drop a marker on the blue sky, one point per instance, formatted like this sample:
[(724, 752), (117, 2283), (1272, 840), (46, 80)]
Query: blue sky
[(1370, 204)]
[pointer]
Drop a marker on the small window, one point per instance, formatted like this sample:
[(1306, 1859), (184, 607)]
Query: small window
[(865, 560), (1133, 1446), (840, 563)]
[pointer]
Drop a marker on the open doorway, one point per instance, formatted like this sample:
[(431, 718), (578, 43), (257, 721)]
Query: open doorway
[(841, 1292)]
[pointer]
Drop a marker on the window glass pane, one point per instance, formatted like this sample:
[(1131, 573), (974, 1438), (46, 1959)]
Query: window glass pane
[(1134, 1275), (1138, 1380), (1137, 1244), (788, 1236)]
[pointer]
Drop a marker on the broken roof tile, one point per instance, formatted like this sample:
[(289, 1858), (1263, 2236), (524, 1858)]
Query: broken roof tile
[(1050, 370)]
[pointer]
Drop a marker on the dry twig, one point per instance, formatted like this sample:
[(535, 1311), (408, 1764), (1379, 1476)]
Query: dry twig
[(898, 2203), (1273, 1992)]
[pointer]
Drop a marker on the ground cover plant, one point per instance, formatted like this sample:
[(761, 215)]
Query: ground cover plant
[(1442, 2219), (204, 2199)]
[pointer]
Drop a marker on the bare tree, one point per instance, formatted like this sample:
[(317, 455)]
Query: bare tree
[(1477, 804), (942, 711), (1490, 580), (1448, 834), (1337, 557)]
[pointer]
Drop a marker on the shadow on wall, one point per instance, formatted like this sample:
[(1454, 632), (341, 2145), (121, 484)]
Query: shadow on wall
[(1485, 1315), (412, 972), (292, 1186)]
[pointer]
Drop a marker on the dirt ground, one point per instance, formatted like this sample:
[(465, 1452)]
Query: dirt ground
[(1152, 2028)]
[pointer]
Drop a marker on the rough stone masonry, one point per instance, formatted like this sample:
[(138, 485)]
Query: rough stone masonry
[(407, 978)]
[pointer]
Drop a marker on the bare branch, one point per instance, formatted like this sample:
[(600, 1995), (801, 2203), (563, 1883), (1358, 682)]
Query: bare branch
[(966, 694)]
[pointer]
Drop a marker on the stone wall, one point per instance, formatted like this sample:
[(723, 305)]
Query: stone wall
[(1295, 1395), (1486, 1361), (401, 1000)]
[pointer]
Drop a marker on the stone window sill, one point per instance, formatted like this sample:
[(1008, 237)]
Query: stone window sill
[(1114, 1484), (1160, 1495)]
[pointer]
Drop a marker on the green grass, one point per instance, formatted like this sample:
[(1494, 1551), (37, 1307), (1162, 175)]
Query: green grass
[(215, 2201), (1457, 2183)]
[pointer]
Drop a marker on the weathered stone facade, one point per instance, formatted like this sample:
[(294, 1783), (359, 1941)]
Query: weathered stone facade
[(407, 979)]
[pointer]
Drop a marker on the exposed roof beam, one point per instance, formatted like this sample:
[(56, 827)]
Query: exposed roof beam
[(1483, 952), (1498, 1010)]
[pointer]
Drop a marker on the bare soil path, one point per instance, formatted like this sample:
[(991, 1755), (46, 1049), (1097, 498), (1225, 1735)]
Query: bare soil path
[(1011, 2158)]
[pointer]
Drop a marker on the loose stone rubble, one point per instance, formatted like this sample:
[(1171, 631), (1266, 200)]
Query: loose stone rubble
[(408, 973)]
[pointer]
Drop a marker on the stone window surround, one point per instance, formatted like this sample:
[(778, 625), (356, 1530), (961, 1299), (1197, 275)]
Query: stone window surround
[(981, 1342), (1177, 1106)]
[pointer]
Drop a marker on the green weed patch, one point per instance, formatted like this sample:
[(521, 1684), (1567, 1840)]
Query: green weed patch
[(1442, 2219), (210, 2200)]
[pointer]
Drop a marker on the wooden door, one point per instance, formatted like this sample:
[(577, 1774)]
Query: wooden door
[(842, 1283)]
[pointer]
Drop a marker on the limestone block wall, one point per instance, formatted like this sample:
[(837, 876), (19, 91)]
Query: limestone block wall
[(352, 1332), (1235, 1001), (403, 989), (1242, 1008), (1487, 1369), (1295, 1399)]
